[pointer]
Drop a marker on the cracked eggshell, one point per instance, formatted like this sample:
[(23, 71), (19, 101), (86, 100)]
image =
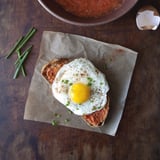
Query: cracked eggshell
[(148, 18)]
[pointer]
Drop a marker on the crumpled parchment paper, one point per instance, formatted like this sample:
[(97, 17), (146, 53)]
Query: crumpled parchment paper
[(115, 61)]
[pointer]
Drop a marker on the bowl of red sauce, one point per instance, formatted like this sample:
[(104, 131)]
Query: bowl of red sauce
[(87, 12)]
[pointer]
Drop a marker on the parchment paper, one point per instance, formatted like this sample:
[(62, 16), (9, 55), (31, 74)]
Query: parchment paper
[(115, 61)]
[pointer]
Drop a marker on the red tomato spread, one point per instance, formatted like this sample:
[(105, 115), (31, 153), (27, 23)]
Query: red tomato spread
[(90, 8)]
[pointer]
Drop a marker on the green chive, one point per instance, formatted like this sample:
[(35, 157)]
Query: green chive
[(65, 81), (54, 123), (21, 56), (21, 62), (26, 38), (94, 108), (66, 120), (70, 112), (57, 115), (68, 103), (22, 69), (91, 101), (89, 78), (14, 47), (89, 84)]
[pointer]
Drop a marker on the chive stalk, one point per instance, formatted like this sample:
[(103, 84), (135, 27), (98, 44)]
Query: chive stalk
[(22, 69), (14, 47), (21, 62), (18, 59), (26, 38), (21, 55), (17, 48)]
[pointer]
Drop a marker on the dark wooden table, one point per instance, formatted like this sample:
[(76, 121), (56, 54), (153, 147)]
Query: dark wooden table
[(138, 136)]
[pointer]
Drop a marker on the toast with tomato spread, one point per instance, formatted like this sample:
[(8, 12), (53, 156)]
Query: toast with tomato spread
[(95, 119)]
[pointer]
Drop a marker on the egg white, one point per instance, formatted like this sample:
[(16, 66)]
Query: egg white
[(81, 70)]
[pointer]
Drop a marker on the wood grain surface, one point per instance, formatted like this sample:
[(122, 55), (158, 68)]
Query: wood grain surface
[(138, 136)]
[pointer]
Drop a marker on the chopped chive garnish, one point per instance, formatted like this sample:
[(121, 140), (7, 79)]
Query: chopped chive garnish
[(91, 101), (70, 112), (66, 120), (89, 84), (14, 47), (57, 115), (70, 84), (65, 81), (89, 78), (94, 108), (54, 123), (101, 83), (99, 107), (68, 103)]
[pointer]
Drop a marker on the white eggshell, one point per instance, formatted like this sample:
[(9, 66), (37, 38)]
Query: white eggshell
[(148, 19)]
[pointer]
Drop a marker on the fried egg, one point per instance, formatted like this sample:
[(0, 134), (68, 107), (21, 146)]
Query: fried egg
[(81, 87)]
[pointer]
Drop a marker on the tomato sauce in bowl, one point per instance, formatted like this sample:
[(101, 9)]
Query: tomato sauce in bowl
[(87, 12), (90, 8)]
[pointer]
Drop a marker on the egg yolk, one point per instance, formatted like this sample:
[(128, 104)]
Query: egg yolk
[(79, 93)]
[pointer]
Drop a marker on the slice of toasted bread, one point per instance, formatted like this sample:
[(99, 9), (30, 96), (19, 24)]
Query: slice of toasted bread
[(50, 70), (97, 118), (94, 119)]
